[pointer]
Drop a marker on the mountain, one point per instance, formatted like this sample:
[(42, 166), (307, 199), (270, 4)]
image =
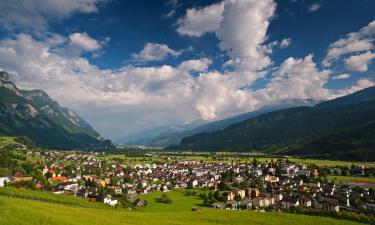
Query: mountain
[(174, 136), (151, 137), (33, 114), (342, 128)]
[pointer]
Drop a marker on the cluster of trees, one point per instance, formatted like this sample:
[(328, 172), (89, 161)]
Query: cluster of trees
[(210, 198)]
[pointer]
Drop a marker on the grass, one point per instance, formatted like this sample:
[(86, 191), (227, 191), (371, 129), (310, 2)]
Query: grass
[(352, 179), (5, 141), (49, 197), (30, 212), (180, 202)]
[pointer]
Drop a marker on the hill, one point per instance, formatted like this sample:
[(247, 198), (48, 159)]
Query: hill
[(24, 211), (341, 128), (34, 115)]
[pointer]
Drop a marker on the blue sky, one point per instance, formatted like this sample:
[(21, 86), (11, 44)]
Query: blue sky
[(127, 66)]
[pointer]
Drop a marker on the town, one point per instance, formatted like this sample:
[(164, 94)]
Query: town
[(270, 185)]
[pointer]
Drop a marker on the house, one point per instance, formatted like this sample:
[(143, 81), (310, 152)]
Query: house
[(261, 202), (110, 201), (59, 179), (240, 193), (233, 205), (314, 183), (252, 192), (228, 196), (278, 196), (4, 180), (17, 177), (246, 204), (304, 201), (288, 202), (329, 204)]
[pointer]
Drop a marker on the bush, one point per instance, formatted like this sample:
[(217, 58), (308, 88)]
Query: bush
[(165, 199)]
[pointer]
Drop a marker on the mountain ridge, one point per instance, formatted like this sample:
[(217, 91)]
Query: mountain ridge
[(293, 130), (33, 114)]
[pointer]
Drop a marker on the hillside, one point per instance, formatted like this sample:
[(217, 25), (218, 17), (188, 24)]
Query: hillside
[(22, 211), (341, 128), (172, 135), (34, 115)]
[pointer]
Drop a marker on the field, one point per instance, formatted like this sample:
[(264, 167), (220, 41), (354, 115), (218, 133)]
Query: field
[(22, 211), (225, 158), (352, 179), (180, 202)]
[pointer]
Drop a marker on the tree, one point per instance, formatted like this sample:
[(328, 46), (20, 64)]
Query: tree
[(165, 199), (125, 202), (217, 195)]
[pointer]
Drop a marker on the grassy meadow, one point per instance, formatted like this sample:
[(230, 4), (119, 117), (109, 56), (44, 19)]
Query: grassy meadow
[(32, 212), (352, 179), (180, 202)]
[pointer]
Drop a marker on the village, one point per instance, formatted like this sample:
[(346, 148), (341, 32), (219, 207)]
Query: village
[(277, 184)]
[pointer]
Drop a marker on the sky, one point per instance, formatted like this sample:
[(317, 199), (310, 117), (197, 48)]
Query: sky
[(128, 66)]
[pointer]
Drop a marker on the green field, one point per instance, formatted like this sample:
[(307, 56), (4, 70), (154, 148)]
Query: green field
[(21, 211), (180, 202), (351, 179), (226, 158)]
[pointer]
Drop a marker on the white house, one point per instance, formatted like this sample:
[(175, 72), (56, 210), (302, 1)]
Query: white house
[(110, 201), (4, 180)]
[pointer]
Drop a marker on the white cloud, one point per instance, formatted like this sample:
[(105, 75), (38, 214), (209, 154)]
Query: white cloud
[(314, 7), (285, 42), (161, 95), (243, 42), (359, 85), (197, 65), (359, 62), (197, 22), (341, 76), (84, 42), (297, 79), (155, 52), (35, 14), (360, 41)]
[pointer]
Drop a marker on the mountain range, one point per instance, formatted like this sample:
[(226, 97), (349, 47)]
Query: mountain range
[(34, 115), (342, 128), (172, 135)]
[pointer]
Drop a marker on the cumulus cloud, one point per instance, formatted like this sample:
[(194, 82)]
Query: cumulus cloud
[(84, 42), (297, 79), (314, 7), (35, 14), (154, 52), (356, 42), (244, 43), (197, 22), (359, 62), (197, 65), (341, 76)]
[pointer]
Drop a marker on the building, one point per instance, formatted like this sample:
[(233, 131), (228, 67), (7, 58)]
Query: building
[(110, 201), (4, 180)]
